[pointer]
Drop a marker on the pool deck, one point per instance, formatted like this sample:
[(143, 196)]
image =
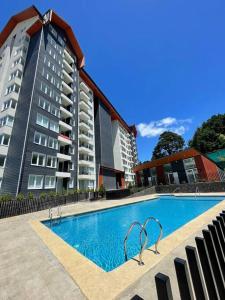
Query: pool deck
[(37, 264)]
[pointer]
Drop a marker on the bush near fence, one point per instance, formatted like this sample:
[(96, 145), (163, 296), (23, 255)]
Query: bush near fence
[(21, 205)]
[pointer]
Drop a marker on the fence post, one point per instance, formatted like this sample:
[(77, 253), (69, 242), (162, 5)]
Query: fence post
[(207, 268), (220, 235), (183, 279), (220, 219), (136, 297), (196, 273), (214, 263), (218, 247), (163, 287)]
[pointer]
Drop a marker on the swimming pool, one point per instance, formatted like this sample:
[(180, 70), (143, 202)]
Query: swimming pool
[(99, 236)]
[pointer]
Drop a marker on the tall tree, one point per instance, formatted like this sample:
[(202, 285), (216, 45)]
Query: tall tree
[(168, 143), (211, 135)]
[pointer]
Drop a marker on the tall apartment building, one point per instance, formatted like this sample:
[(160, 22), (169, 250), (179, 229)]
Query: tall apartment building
[(57, 129)]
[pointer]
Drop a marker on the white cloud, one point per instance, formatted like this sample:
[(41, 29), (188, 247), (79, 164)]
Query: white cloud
[(155, 128)]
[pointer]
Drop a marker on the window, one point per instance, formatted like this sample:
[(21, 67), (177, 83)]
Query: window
[(71, 166), (53, 143), (40, 138), (71, 150), (71, 183), (35, 182), (19, 60), (9, 103), (2, 161), (42, 120), (54, 111), (22, 50), (4, 139), (51, 162), (7, 120), (44, 103), (55, 81), (49, 182), (38, 159), (46, 89), (54, 126), (12, 88), (15, 74)]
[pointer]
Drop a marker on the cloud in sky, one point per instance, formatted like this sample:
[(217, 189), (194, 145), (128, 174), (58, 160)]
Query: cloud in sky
[(155, 128)]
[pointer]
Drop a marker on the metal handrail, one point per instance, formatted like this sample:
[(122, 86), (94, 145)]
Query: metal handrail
[(177, 188), (126, 238), (143, 246), (59, 212), (196, 191)]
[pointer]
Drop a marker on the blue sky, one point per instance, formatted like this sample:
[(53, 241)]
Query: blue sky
[(161, 63)]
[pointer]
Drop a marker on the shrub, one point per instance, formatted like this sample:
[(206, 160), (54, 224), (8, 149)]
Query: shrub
[(52, 194), (6, 197), (101, 189), (43, 196), (30, 196), (20, 197)]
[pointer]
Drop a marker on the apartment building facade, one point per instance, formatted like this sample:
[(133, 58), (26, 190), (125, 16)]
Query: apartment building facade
[(50, 137)]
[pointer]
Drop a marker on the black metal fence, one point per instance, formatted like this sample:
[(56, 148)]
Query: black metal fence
[(18, 207), (204, 267)]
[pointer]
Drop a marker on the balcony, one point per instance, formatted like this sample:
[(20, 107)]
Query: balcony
[(86, 176), (84, 96), (83, 105), (85, 138), (84, 125), (8, 112), (62, 174), (84, 87), (84, 115), (66, 77), (85, 149), (4, 150), (64, 140), (64, 126), (5, 130), (65, 113), (68, 57), (63, 157), (66, 100), (12, 95), (85, 163), (67, 67), (66, 89)]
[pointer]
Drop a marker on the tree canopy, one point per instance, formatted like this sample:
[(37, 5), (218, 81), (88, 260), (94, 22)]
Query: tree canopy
[(168, 143), (211, 135)]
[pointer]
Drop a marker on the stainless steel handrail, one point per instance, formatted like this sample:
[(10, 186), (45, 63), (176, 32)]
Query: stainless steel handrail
[(177, 188), (143, 246), (59, 213), (126, 238), (197, 191)]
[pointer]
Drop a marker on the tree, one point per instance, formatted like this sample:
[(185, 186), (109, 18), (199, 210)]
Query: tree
[(168, 143), (211, 135)]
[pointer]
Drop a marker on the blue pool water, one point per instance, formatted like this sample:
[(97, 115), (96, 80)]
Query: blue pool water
[(99, 235)]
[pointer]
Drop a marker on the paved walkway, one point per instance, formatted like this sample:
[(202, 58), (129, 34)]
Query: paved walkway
[(28, 270)]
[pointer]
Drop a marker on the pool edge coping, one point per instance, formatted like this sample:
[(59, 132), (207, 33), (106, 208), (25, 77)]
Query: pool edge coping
[(93, 281)]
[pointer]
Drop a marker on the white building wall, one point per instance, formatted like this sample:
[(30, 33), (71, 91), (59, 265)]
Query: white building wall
[(116, 146)]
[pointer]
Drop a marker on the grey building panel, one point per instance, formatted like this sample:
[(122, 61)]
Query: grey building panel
[(103, 135), (15, 151), (109, 179)]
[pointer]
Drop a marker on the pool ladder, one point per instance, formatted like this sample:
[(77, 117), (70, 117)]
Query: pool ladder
[(59, 213), (143, 244)]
